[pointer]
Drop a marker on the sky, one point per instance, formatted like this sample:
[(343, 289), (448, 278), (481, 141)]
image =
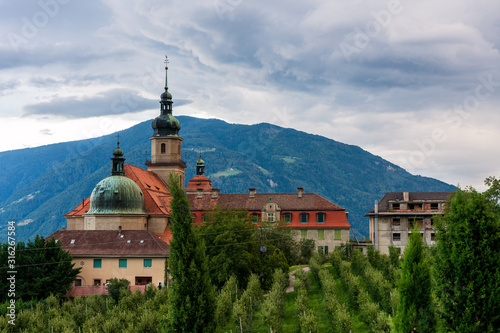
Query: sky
[(415, 82)]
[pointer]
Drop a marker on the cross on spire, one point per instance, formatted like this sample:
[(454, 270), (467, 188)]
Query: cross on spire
[(118, 139)]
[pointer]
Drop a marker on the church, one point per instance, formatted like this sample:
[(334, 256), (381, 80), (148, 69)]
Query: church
[(122, 229)]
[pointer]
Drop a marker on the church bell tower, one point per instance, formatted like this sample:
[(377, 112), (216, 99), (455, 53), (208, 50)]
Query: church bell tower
[(166, 142)]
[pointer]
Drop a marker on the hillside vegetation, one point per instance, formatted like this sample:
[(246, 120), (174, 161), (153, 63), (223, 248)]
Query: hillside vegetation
[(39, 185)]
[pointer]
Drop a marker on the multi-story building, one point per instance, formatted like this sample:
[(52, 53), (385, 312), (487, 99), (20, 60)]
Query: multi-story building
[(398, 214)]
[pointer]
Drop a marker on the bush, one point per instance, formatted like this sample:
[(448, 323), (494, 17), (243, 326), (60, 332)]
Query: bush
[(115, 287)]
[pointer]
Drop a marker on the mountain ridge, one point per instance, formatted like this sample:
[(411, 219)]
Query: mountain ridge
[(39, 185)]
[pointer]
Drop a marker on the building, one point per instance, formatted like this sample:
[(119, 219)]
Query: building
[(126, 219), (313, 216), (136, 255), (398, 213)]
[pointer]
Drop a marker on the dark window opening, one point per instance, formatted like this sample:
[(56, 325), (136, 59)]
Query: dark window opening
[(303, 218), (396, 237), (434, 206), (395, 206), (163, 148)]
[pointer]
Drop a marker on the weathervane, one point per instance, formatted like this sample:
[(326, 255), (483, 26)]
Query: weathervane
[(166, 71), (166, 62)]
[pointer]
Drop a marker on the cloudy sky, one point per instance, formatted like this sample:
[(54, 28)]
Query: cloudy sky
[(416, 82)]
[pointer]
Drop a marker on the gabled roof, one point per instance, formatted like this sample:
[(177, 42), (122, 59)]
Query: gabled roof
[(383, 204), (111, 243), (199, 182), (156, 194), (155, 191), (286, 201)]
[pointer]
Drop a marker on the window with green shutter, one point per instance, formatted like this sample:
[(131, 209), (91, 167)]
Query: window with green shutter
[(122, 263), (303, 218), (338, 234), (97, 263), (320, 217), (303, 234), (326, 249), (287, 217), (321, 234), (148, 262)]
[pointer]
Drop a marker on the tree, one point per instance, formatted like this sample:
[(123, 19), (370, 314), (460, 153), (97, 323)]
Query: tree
[(43, 268), (232, 246), (468, 261), (416, 308), (192, 295), (116, 286)]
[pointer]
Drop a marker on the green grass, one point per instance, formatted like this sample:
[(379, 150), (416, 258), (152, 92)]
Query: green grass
[(289, 159), (226, 173)]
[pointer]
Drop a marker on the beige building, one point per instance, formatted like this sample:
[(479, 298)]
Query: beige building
[(136, 255), (397, 213)]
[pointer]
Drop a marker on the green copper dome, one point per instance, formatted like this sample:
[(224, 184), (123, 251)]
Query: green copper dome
[(117, 195)]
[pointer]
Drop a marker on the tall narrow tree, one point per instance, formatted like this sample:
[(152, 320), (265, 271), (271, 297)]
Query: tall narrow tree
[(468, 261), (192, 297), (416, 309)]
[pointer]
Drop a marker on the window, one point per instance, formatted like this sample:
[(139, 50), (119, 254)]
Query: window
[(204, 217), (303, 217), (413, 206), (162, 148), (254, 217), (395, 206), (148, 262), (303, 234), (326, 249), (433, 237), (97, 263), (122, 263), (287, 217), (321, 234), (78, 282), (434, 205), (323, 249), (143, 280), (416, 223), (270, 217), (396, 222), (320, 217), (396, 237), (97, 282), (338, 234)]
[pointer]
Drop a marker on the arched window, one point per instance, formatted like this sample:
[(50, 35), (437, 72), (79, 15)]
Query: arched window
[(162, 149)]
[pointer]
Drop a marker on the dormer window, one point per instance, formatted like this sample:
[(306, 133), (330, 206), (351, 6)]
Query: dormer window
[(320, 217), (287, 218), (270, 217), (304, 217), (395, 206)]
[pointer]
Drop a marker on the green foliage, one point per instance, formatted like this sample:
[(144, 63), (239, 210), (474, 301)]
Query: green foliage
[(394, 254), (416, 308), (115, 287), (307, 247), (246, 306), (191, 290), (43, 268), (468, 261), (274, 305)]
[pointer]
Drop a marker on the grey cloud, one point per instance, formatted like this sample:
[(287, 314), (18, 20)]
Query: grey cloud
[(111, 102)]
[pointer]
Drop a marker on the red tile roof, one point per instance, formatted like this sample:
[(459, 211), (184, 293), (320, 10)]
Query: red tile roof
[(286, 201), (199, 182), (155, 191), (111, 243)]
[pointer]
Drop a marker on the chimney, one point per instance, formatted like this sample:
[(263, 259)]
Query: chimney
[(300, 190), (215, 193), (119, 230), (64, 228), (252, 191), (406, 196), (199, 193)]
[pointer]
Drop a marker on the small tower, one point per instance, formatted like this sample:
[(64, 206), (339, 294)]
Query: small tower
[(118, 161), (166, 142), (200, 167)]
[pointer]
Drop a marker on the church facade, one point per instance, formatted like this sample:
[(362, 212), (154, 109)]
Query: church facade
[(136, 202)]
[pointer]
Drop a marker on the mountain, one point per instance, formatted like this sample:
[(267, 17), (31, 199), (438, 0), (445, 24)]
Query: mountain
[(39, 185)]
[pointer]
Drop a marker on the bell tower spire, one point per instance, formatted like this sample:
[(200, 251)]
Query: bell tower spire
[(118, 160), (166, 142)]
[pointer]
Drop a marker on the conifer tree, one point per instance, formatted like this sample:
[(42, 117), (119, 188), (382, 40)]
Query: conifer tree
[(192, 298), (416, 309), (468, 261)]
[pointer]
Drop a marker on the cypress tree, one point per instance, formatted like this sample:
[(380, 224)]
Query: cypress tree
[(416, 309), (192, 298), (468, 262)]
